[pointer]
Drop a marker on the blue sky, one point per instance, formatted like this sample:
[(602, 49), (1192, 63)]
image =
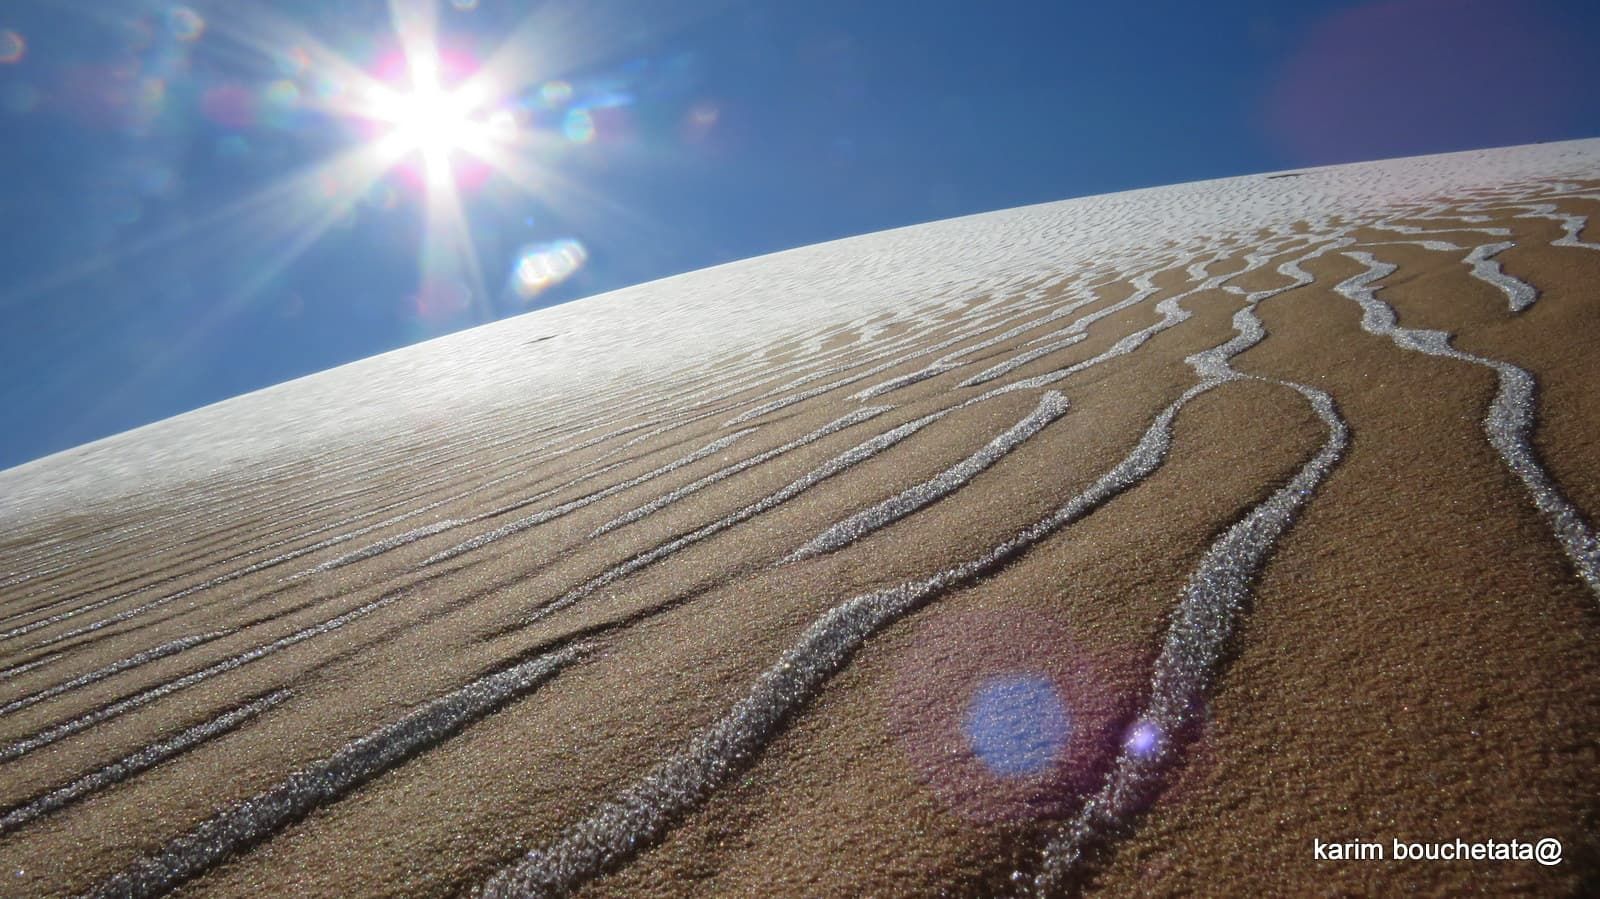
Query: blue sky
[(206, 198)]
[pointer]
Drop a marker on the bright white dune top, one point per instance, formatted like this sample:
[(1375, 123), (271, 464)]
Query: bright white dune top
[(650, 331)]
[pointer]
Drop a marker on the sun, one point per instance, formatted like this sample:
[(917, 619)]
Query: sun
[(432, 121), (444, 120)]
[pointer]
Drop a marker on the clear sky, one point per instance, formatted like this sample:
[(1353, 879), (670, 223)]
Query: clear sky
[(203, 199)]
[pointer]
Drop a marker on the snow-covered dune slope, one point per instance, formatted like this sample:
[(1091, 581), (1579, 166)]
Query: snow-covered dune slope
[(653, 330), (1141, 542)]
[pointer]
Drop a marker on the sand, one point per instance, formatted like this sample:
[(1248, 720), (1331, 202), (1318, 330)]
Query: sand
[(1304, 589)]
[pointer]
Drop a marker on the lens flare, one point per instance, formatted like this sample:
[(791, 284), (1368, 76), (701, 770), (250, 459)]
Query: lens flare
[(1144, 740), (294, 62), (555, 93), (701, 121), (542, 266), (704, 115), (12, 47), (1017, 724), (186, 24), (578, 126), (1002, 717)]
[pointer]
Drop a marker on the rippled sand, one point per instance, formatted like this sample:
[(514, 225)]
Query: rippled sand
[(1127, 544)]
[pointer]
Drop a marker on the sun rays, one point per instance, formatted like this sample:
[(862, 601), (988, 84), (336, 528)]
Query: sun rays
[(432, 119)]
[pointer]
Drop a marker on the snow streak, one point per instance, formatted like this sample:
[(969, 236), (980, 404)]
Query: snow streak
[(330, 779), (1519, 293), (99, 674), (661, 502), (1051, 407), (137, 763), (506, 530)]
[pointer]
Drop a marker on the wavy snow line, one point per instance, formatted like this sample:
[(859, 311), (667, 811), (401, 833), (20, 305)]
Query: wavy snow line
[(785, 402), (654, 432), (1508, 423), (99, 674), (655, 505), (944, 364), (1051, 407), (720, 390), (949, 361), (506, 530), (922, 374), (1171, 314), (381, 547), (1571, 225), (21, 747), (802, 396), (845, 460), (1143, 290), (544, 494), (25, 667), (1435, 246), (687, 404), (323, 782), (1015, 362), (137, 763), (1412, 229), (1519, 293), (1452, 213), (21, 577), (527, 457), (855, 363)]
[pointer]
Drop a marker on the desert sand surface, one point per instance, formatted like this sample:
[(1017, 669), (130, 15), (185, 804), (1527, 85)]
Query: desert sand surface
[(1130, 545)]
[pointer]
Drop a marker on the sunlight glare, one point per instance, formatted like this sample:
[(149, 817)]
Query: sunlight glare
[(432, 121)]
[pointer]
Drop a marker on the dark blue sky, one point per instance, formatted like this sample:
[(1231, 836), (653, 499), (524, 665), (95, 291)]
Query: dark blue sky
[(171, 232)]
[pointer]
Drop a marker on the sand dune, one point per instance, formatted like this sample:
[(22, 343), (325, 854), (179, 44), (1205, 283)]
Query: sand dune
[(1132, 544)]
